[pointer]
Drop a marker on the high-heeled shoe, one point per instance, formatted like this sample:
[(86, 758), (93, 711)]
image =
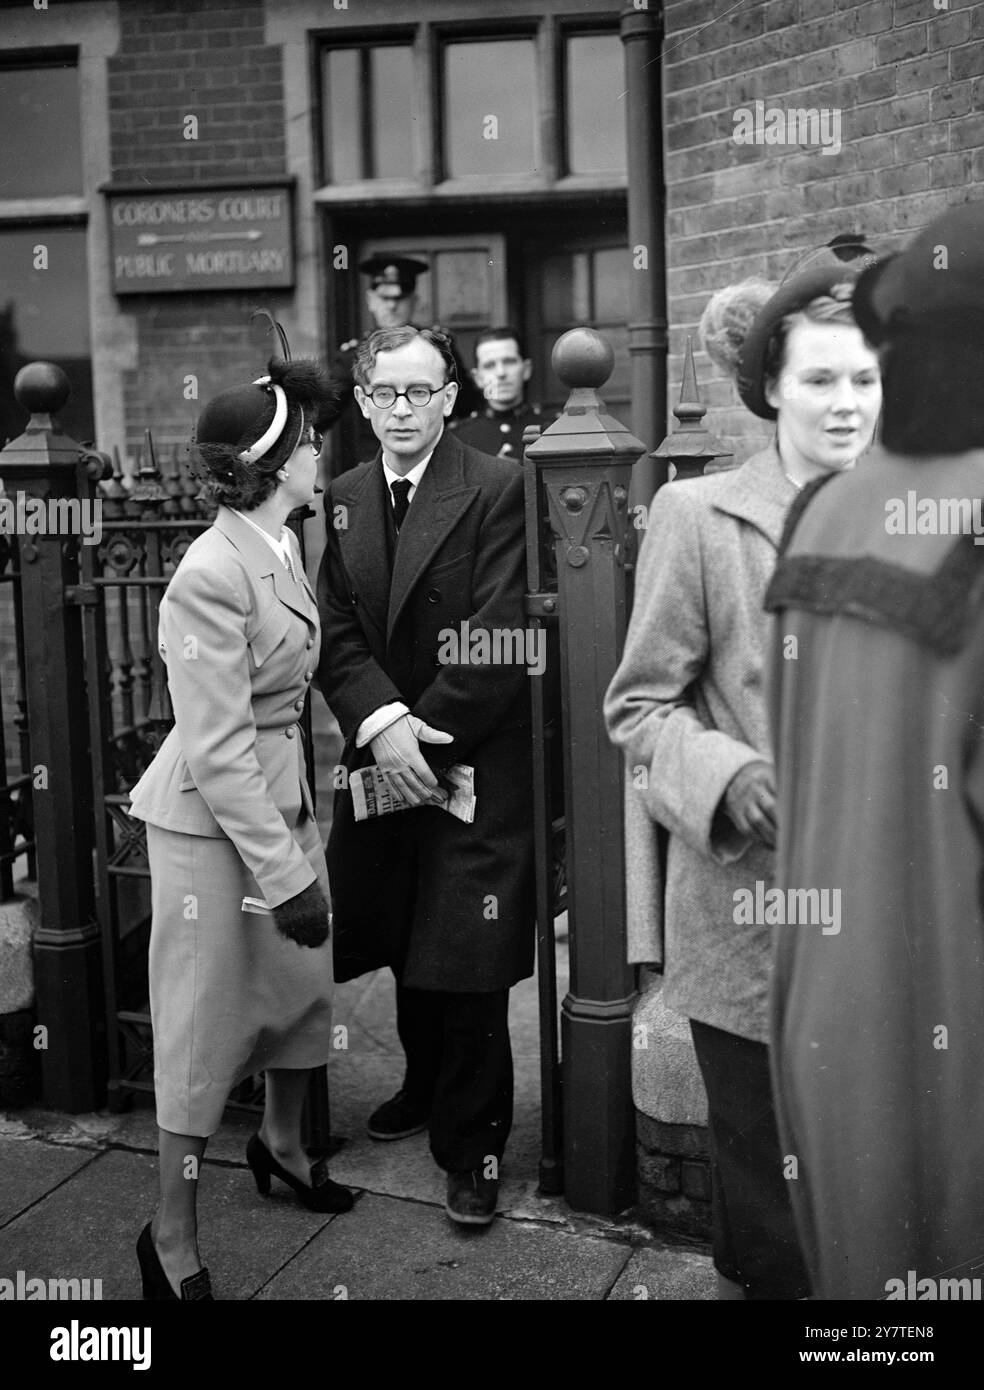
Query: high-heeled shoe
[(321, 1195), (156, 1284)]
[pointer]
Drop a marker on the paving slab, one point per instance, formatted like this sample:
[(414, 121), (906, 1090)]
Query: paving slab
[(666, 1273), (396, 1250), (29, 1169), (87, 1228)]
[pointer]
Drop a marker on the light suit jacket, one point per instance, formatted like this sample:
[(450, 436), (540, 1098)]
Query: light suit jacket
[(687, 704), (241, 642)]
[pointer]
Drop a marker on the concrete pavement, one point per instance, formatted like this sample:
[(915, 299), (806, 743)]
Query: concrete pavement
[(75, 1191)]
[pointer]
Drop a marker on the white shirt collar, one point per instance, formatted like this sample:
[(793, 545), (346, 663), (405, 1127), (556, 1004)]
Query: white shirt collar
[(413, 477), (280, 548)]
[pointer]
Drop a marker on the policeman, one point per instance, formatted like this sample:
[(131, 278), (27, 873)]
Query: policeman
[(392, 294), (501, 372)]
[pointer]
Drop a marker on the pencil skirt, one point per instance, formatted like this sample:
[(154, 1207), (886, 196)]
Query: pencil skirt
[(229, 996)]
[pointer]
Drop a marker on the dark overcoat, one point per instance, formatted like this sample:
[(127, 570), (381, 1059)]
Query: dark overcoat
[(878, 1017), (448, 905)]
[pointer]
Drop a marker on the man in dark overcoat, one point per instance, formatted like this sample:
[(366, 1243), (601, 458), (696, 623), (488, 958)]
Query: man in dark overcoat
[(425, 552)]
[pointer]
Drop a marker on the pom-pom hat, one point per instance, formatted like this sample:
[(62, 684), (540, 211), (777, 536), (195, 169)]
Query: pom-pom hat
[(921, 291), (840, 262)]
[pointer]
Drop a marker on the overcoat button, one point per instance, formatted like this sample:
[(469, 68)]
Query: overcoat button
[(354, 596), (309, 675), (309, 643), (298, 704), (289, 731), (433, 596)]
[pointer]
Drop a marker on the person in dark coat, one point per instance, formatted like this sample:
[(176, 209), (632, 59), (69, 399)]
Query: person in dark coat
[(877, 711), (501, 372), (426, 543)]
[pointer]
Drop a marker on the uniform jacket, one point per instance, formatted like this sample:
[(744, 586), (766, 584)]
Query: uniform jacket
[(448, 905), (240, 639), (688, 707), (499, 432)]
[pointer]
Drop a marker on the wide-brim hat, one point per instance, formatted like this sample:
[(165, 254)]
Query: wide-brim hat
[(935, 285), (841, 261)]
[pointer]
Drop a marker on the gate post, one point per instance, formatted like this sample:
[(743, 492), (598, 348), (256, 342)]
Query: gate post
[(584, 464), (41, 467)]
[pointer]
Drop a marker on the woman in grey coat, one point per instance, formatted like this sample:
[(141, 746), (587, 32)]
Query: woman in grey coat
[(687, 705)]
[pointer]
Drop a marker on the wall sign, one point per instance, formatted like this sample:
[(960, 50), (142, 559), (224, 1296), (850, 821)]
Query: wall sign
[(201, 239)]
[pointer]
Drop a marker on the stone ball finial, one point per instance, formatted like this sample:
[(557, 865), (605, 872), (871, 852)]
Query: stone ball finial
[(581, 357), (42, 388)]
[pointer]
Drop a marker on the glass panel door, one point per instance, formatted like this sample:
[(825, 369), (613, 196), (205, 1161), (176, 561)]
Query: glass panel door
[(464, 291), (573, 285)]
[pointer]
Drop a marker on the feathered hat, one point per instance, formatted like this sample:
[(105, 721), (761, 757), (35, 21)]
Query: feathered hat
[(263, 422)]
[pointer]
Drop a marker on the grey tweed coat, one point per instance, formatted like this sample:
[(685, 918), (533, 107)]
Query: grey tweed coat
[(687, 705)]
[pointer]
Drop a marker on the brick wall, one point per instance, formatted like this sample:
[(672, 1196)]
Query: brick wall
[(178, 58), (906, 78)]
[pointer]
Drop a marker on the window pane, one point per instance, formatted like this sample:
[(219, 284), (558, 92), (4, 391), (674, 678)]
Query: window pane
[(342, 107), (40, 148), (392, 112), (464, 288), (565, 289), (595, 103), (45, 314), (489, 108)]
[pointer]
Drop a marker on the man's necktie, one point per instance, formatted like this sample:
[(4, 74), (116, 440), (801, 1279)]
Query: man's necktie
[(401, 500)]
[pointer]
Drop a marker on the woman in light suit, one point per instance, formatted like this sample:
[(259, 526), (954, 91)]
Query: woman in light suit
[(240, 963)]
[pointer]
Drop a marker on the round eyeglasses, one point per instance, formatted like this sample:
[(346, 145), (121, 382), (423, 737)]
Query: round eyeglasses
[(384, 396)]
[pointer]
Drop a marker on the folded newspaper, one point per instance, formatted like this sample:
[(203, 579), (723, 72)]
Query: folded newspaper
[(373, 794)]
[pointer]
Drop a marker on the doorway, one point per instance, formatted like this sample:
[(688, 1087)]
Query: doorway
[(544, 269)]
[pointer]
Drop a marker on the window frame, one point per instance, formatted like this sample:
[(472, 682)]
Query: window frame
[(361, 42), (58, 211), (573, 28), (428, 180), (57, 207)]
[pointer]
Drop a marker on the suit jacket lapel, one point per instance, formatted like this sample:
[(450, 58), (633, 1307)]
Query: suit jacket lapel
[(360, 521), (439, 502), (265, 565)]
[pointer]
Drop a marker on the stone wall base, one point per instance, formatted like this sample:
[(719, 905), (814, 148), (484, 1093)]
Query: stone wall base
[(20, 1063), (671, 1119)]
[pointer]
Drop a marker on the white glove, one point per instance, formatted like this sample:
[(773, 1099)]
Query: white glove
[(397, 753)]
